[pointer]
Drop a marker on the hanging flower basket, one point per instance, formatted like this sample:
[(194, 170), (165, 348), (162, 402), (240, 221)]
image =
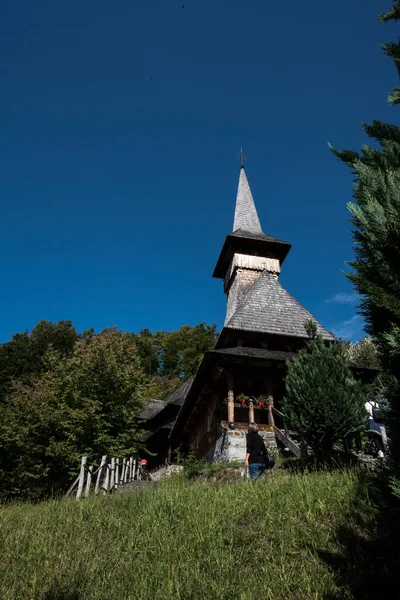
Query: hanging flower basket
[(243, 399), (261, 401)]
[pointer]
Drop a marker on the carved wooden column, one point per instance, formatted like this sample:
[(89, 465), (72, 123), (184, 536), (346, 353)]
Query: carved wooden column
[(251, 411), (231, 401), (271, 420)]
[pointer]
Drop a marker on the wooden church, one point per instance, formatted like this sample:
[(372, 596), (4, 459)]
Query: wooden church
[(242, 379)]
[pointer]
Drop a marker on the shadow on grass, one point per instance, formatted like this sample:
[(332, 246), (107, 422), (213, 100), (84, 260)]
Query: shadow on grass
[(338, 460), (62, 592), (368, 566)]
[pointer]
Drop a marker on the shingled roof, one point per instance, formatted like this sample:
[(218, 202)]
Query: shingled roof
[(178, 396), (151, 409), (269, 308), (246, 217)]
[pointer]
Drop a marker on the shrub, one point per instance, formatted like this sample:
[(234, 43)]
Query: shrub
[(323, 402)]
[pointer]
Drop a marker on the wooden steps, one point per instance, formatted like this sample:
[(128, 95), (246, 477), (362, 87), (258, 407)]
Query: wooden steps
[(135, 486)]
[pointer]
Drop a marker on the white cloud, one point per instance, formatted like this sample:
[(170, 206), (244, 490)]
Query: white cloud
[(352, 329), (343, 298)]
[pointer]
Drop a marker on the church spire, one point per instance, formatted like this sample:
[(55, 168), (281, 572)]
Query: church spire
[(248, 242), (246, 217)]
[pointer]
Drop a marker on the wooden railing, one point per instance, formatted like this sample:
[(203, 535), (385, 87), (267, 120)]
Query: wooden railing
[(107, 477), (283, 433)]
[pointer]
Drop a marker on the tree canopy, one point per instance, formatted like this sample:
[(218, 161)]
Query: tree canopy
[(375, 216), (84, 404), (66, 394), (22, 357), (364, 353), (168, 357)]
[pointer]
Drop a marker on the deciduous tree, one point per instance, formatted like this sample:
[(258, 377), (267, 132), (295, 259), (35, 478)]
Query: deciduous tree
[(84, 405)]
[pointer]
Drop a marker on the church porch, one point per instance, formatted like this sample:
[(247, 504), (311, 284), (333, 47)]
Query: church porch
[(232, 388)]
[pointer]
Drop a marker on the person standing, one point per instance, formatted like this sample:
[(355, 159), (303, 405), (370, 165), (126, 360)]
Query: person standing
[(144, 472), (375, 427), (255, 453)]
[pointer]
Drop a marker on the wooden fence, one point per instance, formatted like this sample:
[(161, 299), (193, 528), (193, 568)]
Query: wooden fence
[(107, 477)]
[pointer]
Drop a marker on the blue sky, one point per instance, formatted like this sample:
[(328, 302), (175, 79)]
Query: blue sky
[(120, 125)]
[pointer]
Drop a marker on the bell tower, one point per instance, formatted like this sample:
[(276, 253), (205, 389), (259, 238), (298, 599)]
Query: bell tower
[(247, 251)]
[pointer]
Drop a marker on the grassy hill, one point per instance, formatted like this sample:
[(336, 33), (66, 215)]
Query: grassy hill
[(301, 536)]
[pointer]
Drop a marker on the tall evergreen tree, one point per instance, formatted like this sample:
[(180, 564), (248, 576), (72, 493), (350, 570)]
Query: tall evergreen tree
[(375, 215), (323, 402)]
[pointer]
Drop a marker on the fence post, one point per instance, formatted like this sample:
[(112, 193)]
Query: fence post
[(112, 474), (103, 462), (107, 478), (81, 477), (134, 469), (88, 481), (130, 468), (72, 487), (116, 480), (123, 470)]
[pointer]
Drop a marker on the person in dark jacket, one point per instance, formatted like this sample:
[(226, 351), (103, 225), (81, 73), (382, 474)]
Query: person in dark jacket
[(255, 452)]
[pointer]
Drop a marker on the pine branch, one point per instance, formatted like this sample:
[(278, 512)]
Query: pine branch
[(392, 15)]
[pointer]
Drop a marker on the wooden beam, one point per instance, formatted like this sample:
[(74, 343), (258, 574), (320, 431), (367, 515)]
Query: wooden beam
[(231, 399), (251, 412)]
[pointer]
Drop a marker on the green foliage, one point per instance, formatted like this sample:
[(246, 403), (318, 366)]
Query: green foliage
[(392, 49), (392, 14), (166, 358), (323, 402), (183, 350), (66, 394), (195, 467), (149, 349), (21, 359), (169, 357), (84, 405), (375, 216), (362, 354), (192, 466), (160, 388), (284, 538)]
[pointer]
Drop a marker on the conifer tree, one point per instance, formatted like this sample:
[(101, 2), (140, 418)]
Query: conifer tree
[(375, 216), (323, 402)]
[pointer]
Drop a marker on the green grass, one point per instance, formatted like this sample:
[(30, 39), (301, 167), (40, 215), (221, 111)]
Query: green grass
[(281, 538)]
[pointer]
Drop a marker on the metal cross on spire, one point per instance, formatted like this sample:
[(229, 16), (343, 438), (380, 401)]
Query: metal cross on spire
[(242, 157)]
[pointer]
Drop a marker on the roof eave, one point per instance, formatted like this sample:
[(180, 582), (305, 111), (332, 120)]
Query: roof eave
[(225, 330)]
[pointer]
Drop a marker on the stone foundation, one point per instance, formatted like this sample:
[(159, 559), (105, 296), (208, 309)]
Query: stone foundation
[(231, 445), (165, 472)]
